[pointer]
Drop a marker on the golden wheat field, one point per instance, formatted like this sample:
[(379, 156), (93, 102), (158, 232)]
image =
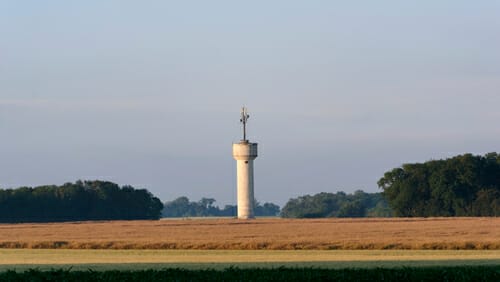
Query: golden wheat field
[(260, 234)]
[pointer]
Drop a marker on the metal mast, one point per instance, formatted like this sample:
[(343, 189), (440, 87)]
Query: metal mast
[(244, 118)]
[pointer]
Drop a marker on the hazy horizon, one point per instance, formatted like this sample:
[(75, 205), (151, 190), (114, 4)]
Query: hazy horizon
[(149, 93)]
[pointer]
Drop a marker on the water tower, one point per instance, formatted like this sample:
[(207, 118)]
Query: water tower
[(244, 153)]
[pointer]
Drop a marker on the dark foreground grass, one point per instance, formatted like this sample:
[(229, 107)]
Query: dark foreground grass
[(406, 274), (101, 267)]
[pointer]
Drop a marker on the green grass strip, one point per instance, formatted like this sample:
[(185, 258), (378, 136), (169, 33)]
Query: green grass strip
[(406, 274)]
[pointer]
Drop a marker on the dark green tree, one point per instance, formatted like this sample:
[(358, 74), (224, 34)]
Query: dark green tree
[(340, 204), (83, 200), (465, 185)]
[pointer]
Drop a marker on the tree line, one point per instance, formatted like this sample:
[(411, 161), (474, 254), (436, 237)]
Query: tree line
[(465, 185), (183, 207), (340, 204), (83, 200)]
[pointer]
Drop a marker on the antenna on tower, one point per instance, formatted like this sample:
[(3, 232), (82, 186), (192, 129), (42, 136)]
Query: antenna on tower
[(244, 118)]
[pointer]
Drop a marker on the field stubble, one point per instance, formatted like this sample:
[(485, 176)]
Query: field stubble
[(260, 234)]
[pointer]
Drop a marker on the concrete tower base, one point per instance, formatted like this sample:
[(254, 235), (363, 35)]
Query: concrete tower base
[(244, 153)]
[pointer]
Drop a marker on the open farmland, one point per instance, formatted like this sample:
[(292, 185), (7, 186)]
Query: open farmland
[(74, 257), (260, 234), (24, 259)]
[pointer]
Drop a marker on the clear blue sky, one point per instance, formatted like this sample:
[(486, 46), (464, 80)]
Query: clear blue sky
[(148, 93)]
